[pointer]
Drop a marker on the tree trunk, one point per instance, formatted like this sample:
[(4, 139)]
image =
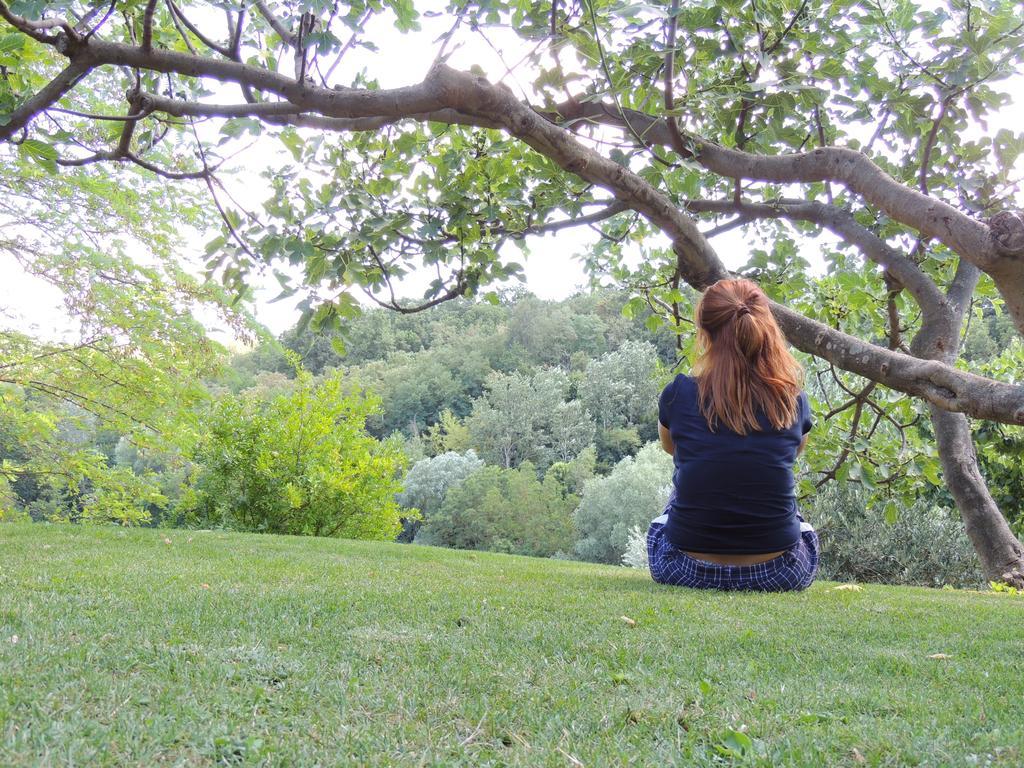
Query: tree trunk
[(1001, 554)]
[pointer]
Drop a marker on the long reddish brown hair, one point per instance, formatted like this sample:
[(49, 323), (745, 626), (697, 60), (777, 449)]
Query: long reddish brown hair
[(744, 365)]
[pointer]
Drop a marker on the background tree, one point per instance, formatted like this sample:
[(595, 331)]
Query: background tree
[(856, 118), (504, 510), (526, 418), (428, 482), (633, 494), (130, 359)]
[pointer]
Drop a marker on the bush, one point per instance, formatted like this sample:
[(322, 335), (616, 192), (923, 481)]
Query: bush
[(635, 555), (925, 546), (299, 464)]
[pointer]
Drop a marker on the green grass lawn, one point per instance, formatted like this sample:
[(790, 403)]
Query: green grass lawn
[(122, 648)]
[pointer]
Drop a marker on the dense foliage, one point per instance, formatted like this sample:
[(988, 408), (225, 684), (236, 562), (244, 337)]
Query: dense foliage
[(299, 464), (504, 510)]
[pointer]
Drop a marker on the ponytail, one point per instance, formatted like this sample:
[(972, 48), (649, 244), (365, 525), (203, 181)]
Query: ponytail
[(744, 366)]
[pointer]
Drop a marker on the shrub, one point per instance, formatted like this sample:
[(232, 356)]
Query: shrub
[(301, 464), (926, 545), (635, 555)]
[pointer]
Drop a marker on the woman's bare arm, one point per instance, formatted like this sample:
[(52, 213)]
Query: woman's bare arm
[(666, 440)]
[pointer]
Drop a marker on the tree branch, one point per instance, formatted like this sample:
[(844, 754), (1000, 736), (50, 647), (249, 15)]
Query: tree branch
[(36, 29), (50, 94), (933, 218), (147, 25), (929, 145), (858, 402), (275, 23), (940, 384), (479, 102), (842, 223), (179, 15)]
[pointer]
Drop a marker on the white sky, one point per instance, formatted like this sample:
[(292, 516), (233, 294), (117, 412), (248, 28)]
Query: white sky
[(552, 269)]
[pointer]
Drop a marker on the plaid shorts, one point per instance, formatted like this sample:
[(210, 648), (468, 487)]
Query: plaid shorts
[(794, 569)]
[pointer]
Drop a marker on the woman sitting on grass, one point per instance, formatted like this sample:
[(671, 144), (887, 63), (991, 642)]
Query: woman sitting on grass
[(735, 429)]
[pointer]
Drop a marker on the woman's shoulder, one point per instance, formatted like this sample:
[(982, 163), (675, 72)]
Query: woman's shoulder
[(680, 384)]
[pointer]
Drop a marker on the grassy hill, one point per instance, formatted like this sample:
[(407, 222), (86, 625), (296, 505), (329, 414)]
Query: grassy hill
[(137, 647)]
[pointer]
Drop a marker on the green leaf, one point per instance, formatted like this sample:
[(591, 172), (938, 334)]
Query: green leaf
[(892, 513), (735, 744), (40, 152), (293, 142), (11, 43)]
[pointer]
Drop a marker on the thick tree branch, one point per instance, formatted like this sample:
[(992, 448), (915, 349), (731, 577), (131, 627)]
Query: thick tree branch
[(972, 239), (50, 94), (479, 102), (940, 384), (842, 223), (286, 113)]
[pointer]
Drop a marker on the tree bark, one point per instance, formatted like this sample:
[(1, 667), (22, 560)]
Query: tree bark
[(1001, 554)]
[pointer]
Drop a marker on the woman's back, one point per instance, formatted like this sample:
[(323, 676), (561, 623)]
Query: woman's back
[(733, 493)]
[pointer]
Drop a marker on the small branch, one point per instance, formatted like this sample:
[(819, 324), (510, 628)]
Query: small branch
[(235, 48), (842, 223), (345, 48), (99, 24), (670, 58), (611, 84), (858, 401), (904, 53), (822, 143), (446, 38), (556, 226), (276, 24), (929, 145), (456, 290), (37, 29), (789, 28), (180, 15), (147, 25), (178, 26), (739, 221), (108, 118), (51, 353)]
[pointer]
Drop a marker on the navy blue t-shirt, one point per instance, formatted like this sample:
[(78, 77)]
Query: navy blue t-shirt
[(734, 494)]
